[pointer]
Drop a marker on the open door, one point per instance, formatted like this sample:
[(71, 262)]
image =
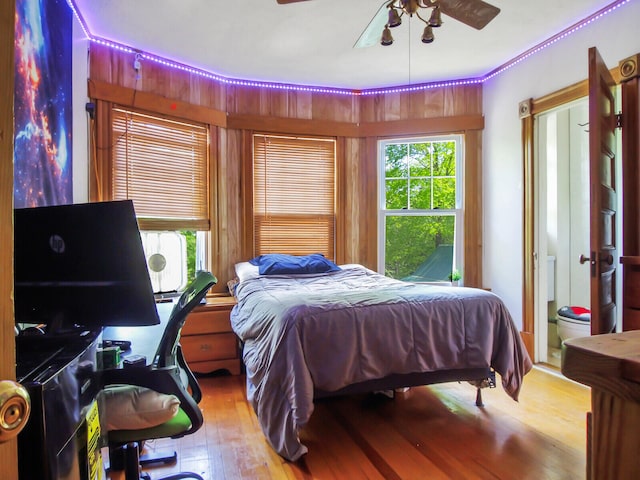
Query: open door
[(8, 449), (602, 158)]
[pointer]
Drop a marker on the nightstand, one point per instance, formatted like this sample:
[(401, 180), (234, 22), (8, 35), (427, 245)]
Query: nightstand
[(208, 343)]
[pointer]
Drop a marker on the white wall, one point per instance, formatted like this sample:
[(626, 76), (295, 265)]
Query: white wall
[(556, 67), (80, 123)]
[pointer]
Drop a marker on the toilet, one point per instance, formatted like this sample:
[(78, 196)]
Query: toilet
[(574, 322)]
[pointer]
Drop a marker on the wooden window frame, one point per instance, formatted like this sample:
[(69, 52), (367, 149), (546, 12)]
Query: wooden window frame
[(101, 167), (457, 212), (317, 219), (166, 176)]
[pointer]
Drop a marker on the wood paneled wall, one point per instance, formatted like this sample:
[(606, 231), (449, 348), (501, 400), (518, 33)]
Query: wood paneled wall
[(356, 121)]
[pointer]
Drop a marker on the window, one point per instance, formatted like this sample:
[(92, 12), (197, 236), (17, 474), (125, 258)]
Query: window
[(420, 208), (294, 195), (163, 166)]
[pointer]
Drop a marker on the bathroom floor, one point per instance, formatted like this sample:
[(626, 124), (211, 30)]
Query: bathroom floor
[(554, 357)]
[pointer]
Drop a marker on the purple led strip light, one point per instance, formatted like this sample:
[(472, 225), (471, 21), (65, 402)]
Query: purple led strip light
[(301, 88), (565, 33), (213, 76)]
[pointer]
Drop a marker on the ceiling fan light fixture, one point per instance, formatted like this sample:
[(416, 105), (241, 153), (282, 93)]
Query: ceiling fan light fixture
[(436, 19), (394, 18), (386, 39), (427, 35), (410, 6)]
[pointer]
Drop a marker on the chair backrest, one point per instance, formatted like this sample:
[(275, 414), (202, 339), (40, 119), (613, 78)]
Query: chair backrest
[(190, 298)]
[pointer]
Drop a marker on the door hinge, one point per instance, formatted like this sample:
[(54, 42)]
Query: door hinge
[(619, 120)]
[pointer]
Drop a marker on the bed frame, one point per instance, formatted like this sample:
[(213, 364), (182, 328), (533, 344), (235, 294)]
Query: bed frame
[(479, 377)]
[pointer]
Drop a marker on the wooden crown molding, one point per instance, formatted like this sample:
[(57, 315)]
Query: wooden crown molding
[(148, 101)]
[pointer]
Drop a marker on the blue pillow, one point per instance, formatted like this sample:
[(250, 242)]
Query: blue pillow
[(280, 263)]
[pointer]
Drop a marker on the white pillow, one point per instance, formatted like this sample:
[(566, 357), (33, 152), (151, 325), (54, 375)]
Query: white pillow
[(245, 270), (129, 407)]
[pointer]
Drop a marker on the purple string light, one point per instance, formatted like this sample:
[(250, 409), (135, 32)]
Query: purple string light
[(337, 91)]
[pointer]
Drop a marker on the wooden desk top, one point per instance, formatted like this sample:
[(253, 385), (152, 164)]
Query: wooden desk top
[(216, 302), (144, 339), (610, 363)]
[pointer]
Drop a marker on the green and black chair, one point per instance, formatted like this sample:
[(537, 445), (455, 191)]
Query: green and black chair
[(168, 373)]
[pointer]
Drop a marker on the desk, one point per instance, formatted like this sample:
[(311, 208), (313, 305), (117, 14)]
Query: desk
[(62, 389), (610, 365), (144, 340)]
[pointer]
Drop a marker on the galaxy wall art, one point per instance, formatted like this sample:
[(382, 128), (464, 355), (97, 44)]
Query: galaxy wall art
[(42, 125)]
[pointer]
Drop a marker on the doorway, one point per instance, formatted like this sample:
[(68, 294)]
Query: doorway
[(562, 220), (605, 203)]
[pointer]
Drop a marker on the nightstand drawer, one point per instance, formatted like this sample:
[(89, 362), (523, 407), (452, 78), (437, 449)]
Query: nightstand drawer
[(199, 323), (208, 343), (198, 348)]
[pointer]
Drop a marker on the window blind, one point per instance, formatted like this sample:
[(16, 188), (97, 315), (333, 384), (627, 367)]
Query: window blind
[(162, 165), (294, 195)]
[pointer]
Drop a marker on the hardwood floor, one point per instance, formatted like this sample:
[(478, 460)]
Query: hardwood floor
[(433, 432)]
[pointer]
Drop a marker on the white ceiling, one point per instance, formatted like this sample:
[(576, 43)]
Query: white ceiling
[(311, 42)]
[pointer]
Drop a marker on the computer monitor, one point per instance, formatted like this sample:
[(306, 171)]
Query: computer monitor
[(81, 265)]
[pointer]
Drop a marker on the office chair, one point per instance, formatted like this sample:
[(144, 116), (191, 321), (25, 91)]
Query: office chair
[(167, 374)]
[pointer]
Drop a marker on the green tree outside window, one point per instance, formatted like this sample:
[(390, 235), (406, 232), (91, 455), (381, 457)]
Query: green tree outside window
[(420, 209)]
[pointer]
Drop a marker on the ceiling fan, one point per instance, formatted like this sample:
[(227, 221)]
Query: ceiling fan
[(475, 13)]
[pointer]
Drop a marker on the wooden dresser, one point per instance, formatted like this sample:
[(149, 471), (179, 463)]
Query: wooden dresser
[(610, 365), (207, 340)]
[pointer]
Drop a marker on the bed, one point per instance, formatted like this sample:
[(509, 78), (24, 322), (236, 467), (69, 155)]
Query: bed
[(349, 329)]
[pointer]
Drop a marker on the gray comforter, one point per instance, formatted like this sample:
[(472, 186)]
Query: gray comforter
[(328, 331)]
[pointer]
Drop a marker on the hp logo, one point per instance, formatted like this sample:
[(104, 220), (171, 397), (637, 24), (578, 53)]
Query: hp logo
[(56, 242)]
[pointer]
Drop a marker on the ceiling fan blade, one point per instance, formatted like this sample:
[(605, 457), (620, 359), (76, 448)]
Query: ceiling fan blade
[(475, 13), (372, 33), (284, 2)]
